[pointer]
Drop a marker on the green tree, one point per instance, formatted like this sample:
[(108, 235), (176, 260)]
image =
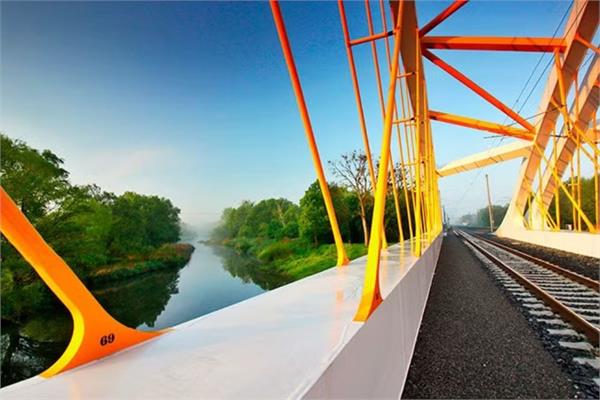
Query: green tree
[(498, 212), (87, 227), (267, 219), (566, 207), (352, 169), (142, 222), (128, 233), (313, 222), (79, 229), (161, 220), (35, 181)]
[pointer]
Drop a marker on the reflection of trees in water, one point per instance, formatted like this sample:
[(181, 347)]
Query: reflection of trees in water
[(22, 357), (133, 302), (138, 300), (250, 270)]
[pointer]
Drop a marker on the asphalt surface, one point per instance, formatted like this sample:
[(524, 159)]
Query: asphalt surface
[(473, 343)]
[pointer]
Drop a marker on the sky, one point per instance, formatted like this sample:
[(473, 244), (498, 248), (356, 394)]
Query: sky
[(192, 101)]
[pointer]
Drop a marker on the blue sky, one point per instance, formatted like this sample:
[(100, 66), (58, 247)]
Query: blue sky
[(192, 100)]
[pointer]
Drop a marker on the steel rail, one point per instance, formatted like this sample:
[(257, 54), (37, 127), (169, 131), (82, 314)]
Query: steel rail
[(584, 280), (580, 324)]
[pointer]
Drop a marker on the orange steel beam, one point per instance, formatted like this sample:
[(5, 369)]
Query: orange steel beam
[(586, 43), (371, 294), (410, 60), (480, 125), (441, 17), (95, 333), (477, 89), (370, 38), (380, 91), (342, 258), (403, 173), (494, 43)]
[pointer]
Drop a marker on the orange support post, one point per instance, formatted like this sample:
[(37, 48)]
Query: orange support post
[(441, 17), (398, 122), (371, 294), (480, 125), (95, 333), (477, 89), (342, 258), (494, 43), (382, 103)]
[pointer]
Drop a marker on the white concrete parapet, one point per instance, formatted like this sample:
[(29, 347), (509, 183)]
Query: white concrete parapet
[(583, 243), (295, 341)]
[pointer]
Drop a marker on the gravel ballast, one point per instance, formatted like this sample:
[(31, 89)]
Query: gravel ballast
[(586, 266), (473, 343)]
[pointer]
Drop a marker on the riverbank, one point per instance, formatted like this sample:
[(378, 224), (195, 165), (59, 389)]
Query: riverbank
[(53, 323), (171, 255), (294, 258)]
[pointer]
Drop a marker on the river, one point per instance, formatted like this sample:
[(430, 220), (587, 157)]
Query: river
[(215, 277)]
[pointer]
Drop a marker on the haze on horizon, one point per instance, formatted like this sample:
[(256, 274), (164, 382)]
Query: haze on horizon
[(192, 101)]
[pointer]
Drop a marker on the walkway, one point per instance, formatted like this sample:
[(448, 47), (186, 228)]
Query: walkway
[(474, 344)]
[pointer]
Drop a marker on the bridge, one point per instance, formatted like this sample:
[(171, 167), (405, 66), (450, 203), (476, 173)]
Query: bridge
[(351, 331)]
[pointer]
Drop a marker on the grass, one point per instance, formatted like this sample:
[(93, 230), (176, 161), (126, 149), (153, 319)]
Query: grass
[(172, 255), (324, 257), (295, 257)]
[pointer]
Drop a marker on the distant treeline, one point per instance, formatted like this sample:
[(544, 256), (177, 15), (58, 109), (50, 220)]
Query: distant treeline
[(566, 207), (296, 239), (87, 227), (481, 217), (277, 219)]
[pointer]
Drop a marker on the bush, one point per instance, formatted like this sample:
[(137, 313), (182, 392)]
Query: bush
[(276, 251)]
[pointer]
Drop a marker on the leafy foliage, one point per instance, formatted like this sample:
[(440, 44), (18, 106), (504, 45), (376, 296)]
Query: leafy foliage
[(566, 207), (481, 218), (313, 221), (36, 181), (87, 227)]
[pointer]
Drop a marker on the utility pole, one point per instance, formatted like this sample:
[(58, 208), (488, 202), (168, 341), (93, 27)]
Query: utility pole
[(489, 197)]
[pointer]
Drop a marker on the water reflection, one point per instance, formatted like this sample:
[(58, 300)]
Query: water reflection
[(138, 300), (249, 269), (24, 356), (215, 277)]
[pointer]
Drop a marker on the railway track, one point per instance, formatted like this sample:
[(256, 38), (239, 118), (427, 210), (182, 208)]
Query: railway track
[(562, 306), (584, 280), (574, 297)]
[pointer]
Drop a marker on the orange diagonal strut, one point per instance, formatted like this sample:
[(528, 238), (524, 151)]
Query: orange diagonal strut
[(342, 258), (477, 89), (441, 17), (480, 125)]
